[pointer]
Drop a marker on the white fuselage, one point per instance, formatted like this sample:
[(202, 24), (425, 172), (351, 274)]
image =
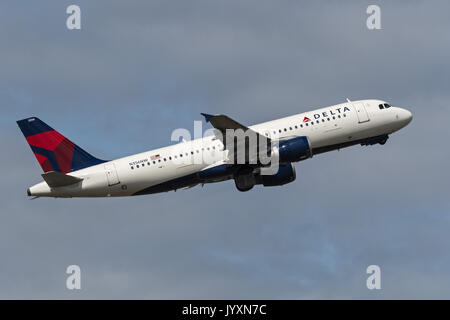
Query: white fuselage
[(328, 128)]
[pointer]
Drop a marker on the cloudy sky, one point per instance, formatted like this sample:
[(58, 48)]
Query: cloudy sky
[(138, 70)]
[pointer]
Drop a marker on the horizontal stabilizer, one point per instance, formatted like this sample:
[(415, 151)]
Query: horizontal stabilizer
[(57, 179)]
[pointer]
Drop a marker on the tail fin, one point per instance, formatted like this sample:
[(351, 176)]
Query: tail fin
[(53, 151)]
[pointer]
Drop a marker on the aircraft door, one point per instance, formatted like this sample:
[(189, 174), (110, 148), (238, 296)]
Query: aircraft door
[(361, 112), (111, 174)]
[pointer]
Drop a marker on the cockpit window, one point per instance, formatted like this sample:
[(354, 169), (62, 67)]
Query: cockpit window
[(380, 106), (387, 105)]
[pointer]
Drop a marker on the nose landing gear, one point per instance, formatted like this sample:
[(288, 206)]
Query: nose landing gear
[(374, 140)]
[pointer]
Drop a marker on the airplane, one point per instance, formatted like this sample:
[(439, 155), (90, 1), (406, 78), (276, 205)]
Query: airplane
[(69, 171)]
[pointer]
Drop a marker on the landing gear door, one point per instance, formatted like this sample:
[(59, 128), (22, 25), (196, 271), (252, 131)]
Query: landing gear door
[(361, 112), (111, 174)]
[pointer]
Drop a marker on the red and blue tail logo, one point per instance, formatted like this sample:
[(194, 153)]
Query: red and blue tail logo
[(53, 151)]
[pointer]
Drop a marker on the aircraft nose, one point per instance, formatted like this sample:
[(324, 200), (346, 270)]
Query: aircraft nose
[(404, 116)]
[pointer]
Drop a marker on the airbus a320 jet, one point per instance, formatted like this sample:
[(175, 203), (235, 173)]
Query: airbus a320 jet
[(69, 171)]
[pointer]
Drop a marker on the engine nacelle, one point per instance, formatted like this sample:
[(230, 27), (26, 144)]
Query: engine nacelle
[(286, 174), (293, 150), (245, 179)]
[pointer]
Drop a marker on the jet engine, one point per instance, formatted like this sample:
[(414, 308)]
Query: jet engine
[(285, 174), (293, 150), (245, 179)]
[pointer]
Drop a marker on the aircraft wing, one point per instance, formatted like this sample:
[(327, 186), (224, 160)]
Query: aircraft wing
[(239, 148), (223, 122)]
